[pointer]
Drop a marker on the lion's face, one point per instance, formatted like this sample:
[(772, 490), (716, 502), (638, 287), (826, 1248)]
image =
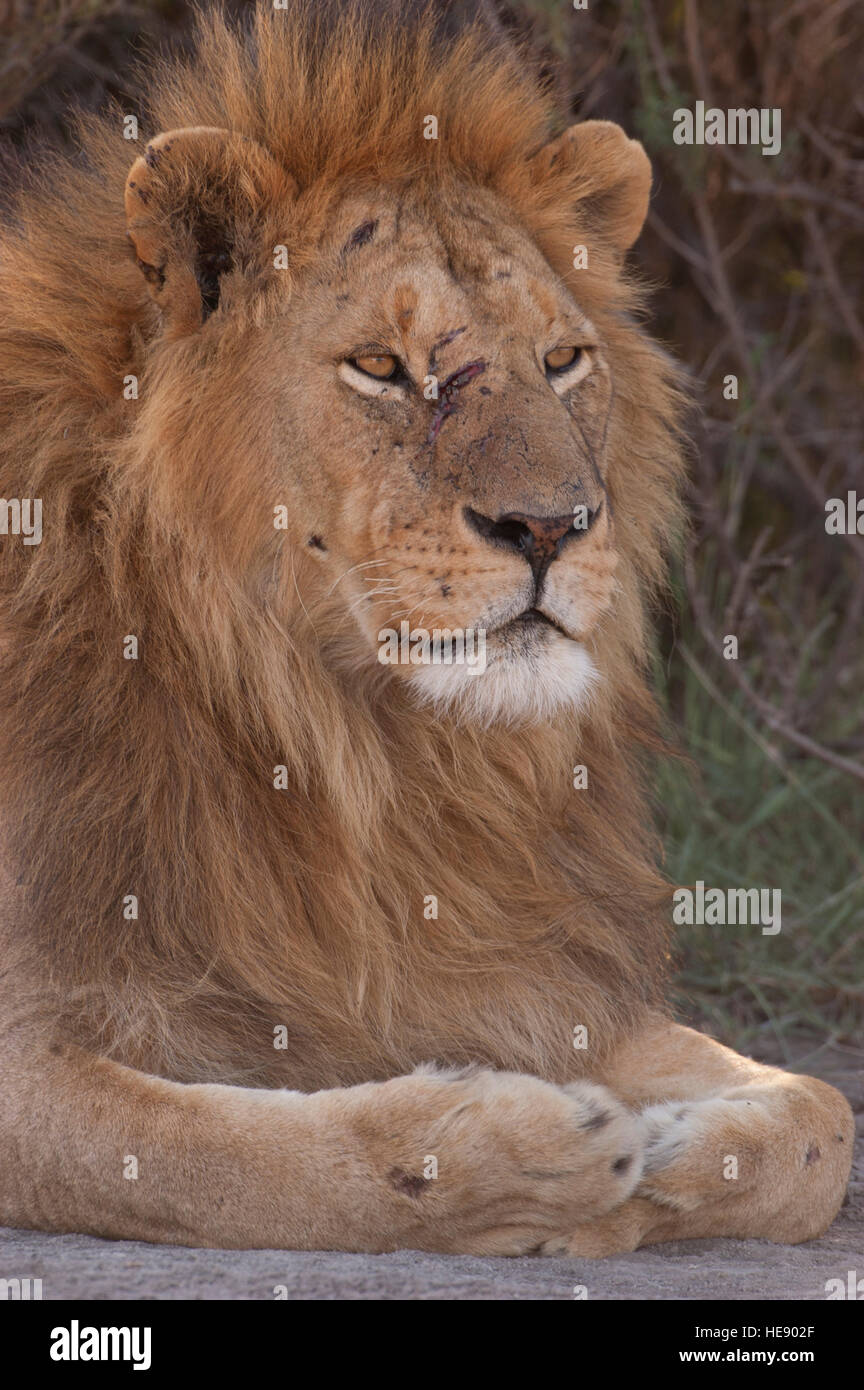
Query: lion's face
[(437, 406), (458, 484)]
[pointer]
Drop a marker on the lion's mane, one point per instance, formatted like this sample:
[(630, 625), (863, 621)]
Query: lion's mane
[(154, 777)]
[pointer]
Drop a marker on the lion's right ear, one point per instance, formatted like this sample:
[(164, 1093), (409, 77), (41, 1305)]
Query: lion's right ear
[(193, 201)]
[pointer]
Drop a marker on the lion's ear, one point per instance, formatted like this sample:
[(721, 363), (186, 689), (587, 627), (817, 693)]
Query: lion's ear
[(193, 201), (610, 175)]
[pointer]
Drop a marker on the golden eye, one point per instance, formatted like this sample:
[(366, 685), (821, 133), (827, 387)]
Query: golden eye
[(560, 358), (380, 365)]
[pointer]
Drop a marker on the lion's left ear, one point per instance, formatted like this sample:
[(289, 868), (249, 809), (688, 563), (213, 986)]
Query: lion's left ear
[(610, 175), (194, 200)]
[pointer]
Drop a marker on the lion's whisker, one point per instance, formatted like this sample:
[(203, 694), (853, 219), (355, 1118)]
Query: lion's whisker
[(364, 564)]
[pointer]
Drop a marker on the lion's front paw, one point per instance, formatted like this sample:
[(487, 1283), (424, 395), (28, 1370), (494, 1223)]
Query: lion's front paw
[(669, 1130), (517, 1161)]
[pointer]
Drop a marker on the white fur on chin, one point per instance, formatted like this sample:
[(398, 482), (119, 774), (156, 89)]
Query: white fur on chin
[(515, 688)]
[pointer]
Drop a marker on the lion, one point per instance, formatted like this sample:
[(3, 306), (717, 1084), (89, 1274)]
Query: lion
[(327, 952)]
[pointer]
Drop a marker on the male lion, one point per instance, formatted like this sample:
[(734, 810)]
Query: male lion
[(303, 939)]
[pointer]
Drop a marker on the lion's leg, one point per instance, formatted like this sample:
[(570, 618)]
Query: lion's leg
[(477, 1162), (734, 1148)]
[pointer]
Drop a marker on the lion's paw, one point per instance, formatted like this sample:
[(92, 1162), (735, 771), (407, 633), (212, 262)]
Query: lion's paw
[(518, 1160)]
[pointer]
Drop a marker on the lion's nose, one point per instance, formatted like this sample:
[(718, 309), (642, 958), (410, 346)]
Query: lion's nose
[(539, 538)]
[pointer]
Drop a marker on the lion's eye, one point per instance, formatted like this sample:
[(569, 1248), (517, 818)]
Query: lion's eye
[(380, 365), (559, 359)]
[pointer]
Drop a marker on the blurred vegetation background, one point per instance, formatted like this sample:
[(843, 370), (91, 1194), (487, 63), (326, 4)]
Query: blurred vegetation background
[(757, 266)]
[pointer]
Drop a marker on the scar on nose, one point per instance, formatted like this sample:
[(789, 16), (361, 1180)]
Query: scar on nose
[(360, 236), (447, 395), (442, 343)]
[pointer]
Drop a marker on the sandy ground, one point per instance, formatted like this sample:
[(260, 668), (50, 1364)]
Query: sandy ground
[(80, 1267)]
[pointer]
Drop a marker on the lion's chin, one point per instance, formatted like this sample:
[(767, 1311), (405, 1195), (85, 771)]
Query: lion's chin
[(521, 683)]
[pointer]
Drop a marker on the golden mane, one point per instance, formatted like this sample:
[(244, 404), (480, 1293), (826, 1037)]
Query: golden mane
[(154, 777)]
